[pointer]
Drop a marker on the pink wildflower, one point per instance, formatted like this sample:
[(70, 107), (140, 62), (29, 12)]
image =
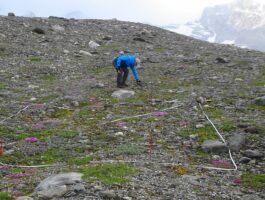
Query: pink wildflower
[(237, 180), (17, 175), (121, 124), (31, 139), (5, 167), (38, 125), (47, 123), (38, 105), (222, 163), (17, 194)]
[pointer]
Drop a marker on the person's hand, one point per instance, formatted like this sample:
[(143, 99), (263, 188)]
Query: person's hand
[(118, 70), (138, 82)]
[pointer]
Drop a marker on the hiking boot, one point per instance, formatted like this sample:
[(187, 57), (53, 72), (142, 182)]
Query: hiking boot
[(125, 85), (120, 86)]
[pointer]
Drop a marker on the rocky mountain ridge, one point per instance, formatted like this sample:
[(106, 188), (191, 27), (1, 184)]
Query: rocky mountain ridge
[(240, 23), (62, 113)]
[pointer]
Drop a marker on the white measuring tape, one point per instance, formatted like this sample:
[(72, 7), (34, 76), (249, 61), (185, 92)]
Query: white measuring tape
[(221, 137)]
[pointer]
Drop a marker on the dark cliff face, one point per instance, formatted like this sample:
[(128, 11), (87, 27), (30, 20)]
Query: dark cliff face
[(241, 22), (56, 84)]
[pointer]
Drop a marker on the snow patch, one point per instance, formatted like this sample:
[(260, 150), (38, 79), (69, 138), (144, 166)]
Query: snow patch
[(228, 42), (212, 39), (182, 29)]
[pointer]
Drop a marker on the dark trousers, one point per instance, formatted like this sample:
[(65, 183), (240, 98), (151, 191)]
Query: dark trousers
[(122, 75)]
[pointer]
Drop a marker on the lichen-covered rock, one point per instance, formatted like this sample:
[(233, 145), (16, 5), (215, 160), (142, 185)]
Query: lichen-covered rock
[(123, 94), (260, 101), (214, 146), (236, 141), (58, 185), (253, 153)]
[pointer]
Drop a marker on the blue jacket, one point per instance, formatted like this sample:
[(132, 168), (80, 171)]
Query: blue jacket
[(127, 61)]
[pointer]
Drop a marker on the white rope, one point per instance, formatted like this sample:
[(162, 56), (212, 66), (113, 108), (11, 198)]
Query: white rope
[(156, 163), (14, 114), (33, 166), (146, 114), (221, 137)]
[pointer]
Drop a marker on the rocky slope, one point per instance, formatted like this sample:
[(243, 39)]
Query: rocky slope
[(57, 109)]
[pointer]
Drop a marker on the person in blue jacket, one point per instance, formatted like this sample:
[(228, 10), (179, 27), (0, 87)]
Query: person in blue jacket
[(122, 63)]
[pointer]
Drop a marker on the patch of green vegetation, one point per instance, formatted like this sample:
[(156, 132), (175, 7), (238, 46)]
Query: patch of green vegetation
[(102, 93), (140, 97), (108, 174), (159, 50), (49, 78), (35, 59), (243, 93), (185, 132), (242, 62), (227, 126), (262, 72), (128, 149), (200, 61), (88, 117), (47, 157), (202, 154), (152, 119), (22, 98), (68, 134), (21, 136), (83, 104), (197, 190), (257, 107), (105, 137), (50, 156), (88, 113), (3, 54), (2, 86), (191, 82), (255, 138), (109, 46), (60, 113), (254, 181), (14, 170), (214, 112), (205, 133), (161, 142), (5, 196), (114, 100), (80, 161), (228, 101), (259, 83), (6, 133), (17, 158), (47, 98), (168, 83), (44, 133), (80, 149), (101, 70)]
